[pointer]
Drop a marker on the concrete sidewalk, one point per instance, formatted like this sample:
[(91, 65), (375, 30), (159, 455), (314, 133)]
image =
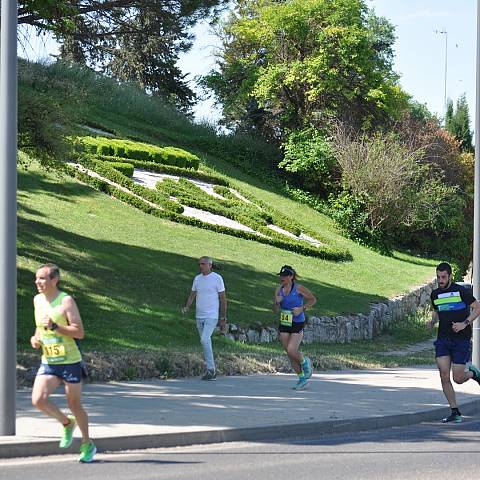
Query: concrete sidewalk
[(131, 415)]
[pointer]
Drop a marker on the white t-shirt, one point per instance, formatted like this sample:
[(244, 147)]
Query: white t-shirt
[(207, 287)]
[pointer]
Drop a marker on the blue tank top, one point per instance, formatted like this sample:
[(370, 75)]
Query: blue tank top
[(292, 300)]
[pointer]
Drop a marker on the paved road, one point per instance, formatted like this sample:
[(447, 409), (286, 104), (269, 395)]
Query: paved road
[(428, 451)]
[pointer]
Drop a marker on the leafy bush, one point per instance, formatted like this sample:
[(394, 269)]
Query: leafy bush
[(350, 212), (308, 155), (392, 197), (384, 174), (122, 167)]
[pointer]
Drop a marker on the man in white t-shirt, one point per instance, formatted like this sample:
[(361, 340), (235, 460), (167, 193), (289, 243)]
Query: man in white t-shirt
[(209, 291)]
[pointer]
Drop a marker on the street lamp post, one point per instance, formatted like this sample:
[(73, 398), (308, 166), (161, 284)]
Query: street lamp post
[(476, 209), (8, 214), (444, 32)]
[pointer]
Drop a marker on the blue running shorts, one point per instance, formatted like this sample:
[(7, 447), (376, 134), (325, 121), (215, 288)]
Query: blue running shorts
[(70, 373), (458, 350)]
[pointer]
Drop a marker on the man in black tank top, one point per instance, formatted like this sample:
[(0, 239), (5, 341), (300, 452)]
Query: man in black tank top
[(455, 309)]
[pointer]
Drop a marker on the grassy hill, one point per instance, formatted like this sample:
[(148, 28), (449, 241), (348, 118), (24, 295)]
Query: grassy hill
[(130, 272)]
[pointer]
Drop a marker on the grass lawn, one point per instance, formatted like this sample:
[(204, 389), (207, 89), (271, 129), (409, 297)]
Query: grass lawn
[(131, 272)]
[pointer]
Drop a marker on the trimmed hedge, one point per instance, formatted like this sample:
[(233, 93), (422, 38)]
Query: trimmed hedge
[(189, 194), (139, 151), (115, 176), (327, 253), (122, 167), (171, 170)]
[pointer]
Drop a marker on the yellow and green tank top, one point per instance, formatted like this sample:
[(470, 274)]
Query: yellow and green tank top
[(57, 349)]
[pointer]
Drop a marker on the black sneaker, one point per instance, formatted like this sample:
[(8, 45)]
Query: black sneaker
[(210, 375), (453, 417)]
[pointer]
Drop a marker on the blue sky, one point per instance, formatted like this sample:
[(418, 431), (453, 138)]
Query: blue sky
[(419, 51)]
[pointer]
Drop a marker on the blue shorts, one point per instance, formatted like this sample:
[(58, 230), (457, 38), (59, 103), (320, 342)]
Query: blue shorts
[(458, 350), (70, 373)]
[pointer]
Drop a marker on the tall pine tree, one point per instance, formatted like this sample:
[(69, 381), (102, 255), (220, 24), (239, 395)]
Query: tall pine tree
[(458, 123)]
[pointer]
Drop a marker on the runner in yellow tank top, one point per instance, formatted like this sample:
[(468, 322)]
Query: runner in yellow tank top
[(58, 326)]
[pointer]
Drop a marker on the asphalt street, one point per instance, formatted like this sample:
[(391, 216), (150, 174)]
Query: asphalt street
[(430, 451)]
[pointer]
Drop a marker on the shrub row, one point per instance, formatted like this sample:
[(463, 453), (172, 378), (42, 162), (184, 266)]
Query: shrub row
[(171, 170), (139, 151), (113, 175), (327, 253), (122, 167), (254, 215), (189, 194), (285, 222)]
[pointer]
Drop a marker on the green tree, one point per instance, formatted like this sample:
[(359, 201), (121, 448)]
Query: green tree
[(288, 65), (449, 115), (458, 123), (132, 40)]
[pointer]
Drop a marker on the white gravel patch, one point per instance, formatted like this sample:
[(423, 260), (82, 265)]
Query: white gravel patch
[(91, 173), (307, 238), (282, 231), (215, 219), (302, 236), (150, 179)]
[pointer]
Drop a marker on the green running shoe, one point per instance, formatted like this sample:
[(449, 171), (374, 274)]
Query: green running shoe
[(301, 384), (453, 417), (476, 373), (67, 437), (307, 367), (87, 452)]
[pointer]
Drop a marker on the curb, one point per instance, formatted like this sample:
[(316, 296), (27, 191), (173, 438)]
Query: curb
[(164, 440)]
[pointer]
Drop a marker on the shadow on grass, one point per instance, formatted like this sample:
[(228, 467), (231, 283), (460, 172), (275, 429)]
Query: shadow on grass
[(134, 294)]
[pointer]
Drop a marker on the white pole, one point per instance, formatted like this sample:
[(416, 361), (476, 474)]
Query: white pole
[(476, 209), (8, 212)]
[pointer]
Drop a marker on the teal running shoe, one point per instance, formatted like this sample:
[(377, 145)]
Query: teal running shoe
[(67, 437), (476, 373), (87, 452), (301, 384), (307, 367), (454, 418)]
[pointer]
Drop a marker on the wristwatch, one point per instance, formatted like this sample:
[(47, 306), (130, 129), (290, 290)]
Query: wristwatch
[(468, 322)]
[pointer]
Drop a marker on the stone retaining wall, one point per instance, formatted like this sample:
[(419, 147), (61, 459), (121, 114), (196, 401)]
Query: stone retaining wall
[(348, 327)]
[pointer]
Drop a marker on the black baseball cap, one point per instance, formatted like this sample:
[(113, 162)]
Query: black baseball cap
[(286, 270)]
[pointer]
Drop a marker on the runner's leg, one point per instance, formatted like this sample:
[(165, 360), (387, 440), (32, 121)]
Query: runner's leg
[(73, 392), (43, 387), (296, 358), (444, 364), (459, 374)]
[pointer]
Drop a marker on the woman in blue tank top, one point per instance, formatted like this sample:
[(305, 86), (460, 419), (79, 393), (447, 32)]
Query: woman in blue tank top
[(292, 299)]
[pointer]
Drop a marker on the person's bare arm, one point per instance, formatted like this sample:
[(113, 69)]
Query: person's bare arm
[(277, 298), (474, 313), (310, 299), (222, 296), (74, 328), (433, 321), (190, 300), (35, 339)]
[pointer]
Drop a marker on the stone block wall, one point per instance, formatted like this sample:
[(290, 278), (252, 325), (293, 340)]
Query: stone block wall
[(348, 327)]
